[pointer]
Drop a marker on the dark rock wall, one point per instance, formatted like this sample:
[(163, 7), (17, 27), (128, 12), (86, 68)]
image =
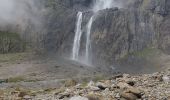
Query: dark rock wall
[(115, 32)]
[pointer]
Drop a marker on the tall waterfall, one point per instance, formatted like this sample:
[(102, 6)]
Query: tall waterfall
[(98, 5), (88, 43), (77, 38)]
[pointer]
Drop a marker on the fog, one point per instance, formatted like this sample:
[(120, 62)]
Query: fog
[(20, 13)]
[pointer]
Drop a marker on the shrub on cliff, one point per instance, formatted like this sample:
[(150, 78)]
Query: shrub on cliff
[(10, 42)]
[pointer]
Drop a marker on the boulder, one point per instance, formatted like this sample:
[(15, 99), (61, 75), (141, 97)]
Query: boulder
[(94, 97), (93, 88), (117, 76), (128, 96), (102, 86), (123, 85), (166, 79), (64, 95), (131, 83), (78, 98), (22, 94), (134, 91)]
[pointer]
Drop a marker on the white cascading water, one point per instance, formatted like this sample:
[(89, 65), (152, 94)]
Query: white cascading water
[(89, 26), (77, 38), (98, 5)]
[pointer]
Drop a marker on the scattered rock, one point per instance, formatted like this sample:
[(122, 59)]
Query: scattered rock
[(131, 83), (126, 76), (91, 83), (128, 96), (78, 98), (22, 94), (1, 93), (166, 79), (117, 95), (59, 91), (117, 76), (93, 88), (62, 96), (94, 97), (123, 85), (102, 86), (27, 97), (70, 83), (137, 87), (135, 91)]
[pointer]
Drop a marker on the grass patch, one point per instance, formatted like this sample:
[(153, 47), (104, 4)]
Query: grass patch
[(99, 77), (15, 79), (12, 57), (147, 52), (144, 54), (20, 79)]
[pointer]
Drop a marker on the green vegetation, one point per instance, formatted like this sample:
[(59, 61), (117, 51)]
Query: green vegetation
[(10, 43), (147, 52), (12, 57), (20, 79), (15, 79), (99, 77)]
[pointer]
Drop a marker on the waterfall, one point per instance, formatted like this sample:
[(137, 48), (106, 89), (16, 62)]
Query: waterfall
[(77, 38), (88, 43), (98, 5)]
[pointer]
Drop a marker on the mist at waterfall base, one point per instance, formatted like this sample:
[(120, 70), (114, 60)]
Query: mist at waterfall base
[(97, 6)]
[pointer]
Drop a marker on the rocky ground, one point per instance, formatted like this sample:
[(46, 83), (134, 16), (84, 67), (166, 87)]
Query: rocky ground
[(154, 86), (26, 78)]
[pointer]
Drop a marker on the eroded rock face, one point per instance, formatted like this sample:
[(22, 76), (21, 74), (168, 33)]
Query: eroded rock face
[(115, 32)]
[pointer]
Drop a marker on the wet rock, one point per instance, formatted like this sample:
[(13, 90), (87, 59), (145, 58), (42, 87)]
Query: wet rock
[(3, 81)]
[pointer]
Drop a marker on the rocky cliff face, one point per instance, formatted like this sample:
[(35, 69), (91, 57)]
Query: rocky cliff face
[(116, 33), (120, 32)]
